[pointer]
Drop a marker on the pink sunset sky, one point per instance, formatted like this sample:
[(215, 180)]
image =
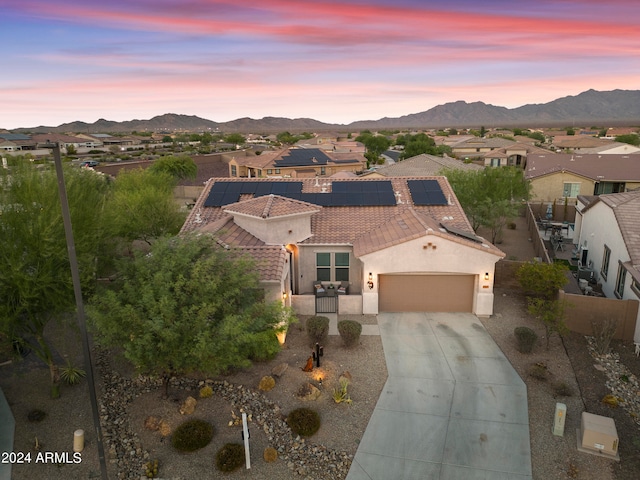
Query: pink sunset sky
[(334, 61)]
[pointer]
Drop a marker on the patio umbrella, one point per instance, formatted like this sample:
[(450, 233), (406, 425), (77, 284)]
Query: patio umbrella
[(549, 212)]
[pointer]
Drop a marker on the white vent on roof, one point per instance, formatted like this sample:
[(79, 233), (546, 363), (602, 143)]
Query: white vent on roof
[(398, 199), (317, 184), (198, 218)]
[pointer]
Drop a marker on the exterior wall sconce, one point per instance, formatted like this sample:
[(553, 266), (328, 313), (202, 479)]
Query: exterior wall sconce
[(284, 295), (486, 276), (370, 282)]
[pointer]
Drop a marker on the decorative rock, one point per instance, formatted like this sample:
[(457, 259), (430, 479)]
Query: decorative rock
[(270, 455), (279, 370), (267, 383), (164, 428), (308, 392), (152, 423), (189, 406)]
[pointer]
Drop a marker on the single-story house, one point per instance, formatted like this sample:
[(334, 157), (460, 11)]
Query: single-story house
[(296, 163), (609, 238), (353, 245), (514, 155), (556, 176), (477, 147), (421, 165)]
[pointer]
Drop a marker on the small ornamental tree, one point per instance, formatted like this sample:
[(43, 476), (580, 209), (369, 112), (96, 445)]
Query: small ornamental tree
[(541, 281), (188, 306)]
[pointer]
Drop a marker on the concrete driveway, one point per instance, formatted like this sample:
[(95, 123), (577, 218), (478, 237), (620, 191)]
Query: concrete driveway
[(453, 406)]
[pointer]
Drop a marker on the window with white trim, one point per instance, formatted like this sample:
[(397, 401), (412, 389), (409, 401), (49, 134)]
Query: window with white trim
[(571, 190), (622, 273), (604, 269), (332, 266)]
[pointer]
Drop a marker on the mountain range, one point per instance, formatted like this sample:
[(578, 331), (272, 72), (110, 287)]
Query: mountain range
[(590, 108)]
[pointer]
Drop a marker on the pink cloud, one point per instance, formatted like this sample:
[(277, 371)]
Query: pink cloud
[(338, 23)]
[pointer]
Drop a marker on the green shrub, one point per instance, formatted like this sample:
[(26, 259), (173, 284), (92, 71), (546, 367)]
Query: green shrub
[(350, 331), (206, 392), (230, 457), (192, 435), (526, 338), (561, 389), (317, 329), (539, 370), (304, 421)]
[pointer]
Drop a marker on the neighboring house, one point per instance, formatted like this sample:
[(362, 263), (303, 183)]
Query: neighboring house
[(17, 142), (555, 176), (422, 165), (332, 144), (64, 140), (477, 147), (296, 163), (8, 146), (577, 143), (613, 148), (397, 244), (514, 155), (609, 232)]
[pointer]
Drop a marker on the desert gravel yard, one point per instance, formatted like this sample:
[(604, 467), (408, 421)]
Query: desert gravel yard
[(128, 400)]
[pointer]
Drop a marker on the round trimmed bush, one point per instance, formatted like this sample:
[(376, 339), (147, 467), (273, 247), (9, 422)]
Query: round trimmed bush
[(349, 331), (526, 338), (304, 421), (317, 329), (230, 457), (192, 435)]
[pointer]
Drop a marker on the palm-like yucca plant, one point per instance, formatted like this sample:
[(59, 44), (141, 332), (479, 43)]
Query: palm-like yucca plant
[(71, 374)]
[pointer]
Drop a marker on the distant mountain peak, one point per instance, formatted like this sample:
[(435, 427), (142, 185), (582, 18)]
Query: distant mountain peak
[(590, 107)]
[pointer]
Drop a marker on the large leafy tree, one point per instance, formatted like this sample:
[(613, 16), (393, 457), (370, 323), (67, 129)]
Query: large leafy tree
[(179, 167), (35, 275), (489, 197), (419, 144), (142, 206), (376, 145), (188, 306)]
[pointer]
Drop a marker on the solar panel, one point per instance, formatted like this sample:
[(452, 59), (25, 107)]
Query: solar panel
[(461, 233), (426, 192), (353, 193)]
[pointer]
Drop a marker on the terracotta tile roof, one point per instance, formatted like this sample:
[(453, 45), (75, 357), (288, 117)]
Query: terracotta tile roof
[(365, 227), (423, 165), (270, 206), (626, 208), (270, 261), (229, 234), (596, 167)]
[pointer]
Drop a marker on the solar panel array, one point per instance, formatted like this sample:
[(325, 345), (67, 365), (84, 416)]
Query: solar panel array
[(426, 192), (302, 158), (343, 194)]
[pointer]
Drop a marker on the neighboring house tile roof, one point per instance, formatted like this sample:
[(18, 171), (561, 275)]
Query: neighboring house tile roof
[(300, 157), (477, 142), (424, 165), (593, 166), (626, 208), (613, 147), (514, 149), (270, 206), (580, 141)]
